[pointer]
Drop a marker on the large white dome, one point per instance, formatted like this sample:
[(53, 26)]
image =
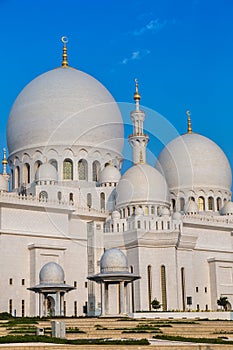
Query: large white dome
[(65, 107), (142, 184), (194, 162)]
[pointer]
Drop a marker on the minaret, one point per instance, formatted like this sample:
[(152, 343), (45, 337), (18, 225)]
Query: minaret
[(138, 140), (4, 163)]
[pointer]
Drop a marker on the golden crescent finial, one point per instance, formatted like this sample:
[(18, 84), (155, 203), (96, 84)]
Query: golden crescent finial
[(137, 96), (64, 39), (188, 113)]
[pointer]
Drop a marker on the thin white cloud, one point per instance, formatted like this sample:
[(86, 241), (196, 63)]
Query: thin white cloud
[(153, 26), (136, 55)]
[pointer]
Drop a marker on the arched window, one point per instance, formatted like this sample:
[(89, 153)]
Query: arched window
[(219, 203), (191, 199), (17, 177), (128, 211), (37, 165), (183, 288), (102, 200), (139, 224), (59, 196), (26, 173), (146, 210), (67, 169), (12, 179), (149, 284), (211, 203), (53, 162), (71, 197), (163, 288), (182, 202), (89, 200), (95, 170), (201, 203), (43, 196), (173, 204), (82, 169), (152, 210)]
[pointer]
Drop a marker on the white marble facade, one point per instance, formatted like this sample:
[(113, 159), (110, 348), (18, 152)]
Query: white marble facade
[(67, 203)]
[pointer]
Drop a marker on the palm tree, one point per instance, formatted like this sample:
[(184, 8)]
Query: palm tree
[(155, 304), (223, 301)]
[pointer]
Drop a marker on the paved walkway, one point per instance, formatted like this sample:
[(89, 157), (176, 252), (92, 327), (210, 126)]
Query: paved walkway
[(155, 344)]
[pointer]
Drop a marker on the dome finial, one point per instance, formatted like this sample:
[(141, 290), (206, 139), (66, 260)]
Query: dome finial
[(4, 161), (64, 39), (137, 96), (190, 130)]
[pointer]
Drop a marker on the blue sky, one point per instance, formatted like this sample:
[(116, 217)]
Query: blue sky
[(181, 52)]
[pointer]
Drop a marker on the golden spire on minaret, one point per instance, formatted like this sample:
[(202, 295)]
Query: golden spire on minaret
[(137, 96), (188, 113), (4, 162), (64, 39)]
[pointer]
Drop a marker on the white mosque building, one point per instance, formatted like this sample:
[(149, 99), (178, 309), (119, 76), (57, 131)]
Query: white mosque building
[(78, 238)]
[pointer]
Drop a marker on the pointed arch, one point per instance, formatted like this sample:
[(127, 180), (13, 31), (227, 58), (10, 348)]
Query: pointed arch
[(95, 170), (82, 170)]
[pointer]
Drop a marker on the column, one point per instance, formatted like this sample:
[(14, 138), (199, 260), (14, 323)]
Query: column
[(62, 304), (57, 306), (45, 305), (127, 299), (106, 298), (122, 298), (41, 297), (102, 298)]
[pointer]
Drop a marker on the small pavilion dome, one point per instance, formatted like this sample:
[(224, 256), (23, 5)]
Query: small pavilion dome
[(113, 260), (116, 215), (227, 209), (52, 273), (46, 172), (110, 174)]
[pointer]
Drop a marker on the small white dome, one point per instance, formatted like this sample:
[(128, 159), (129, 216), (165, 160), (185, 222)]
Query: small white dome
[(3, 183), (191, 208), (114, 260), (51, 273), (142, 184), (110, 174), (192, 161), (139, 211), (46, 172), (47, 111), (227, 209), (165, 212), (177, 216), (116, 215)]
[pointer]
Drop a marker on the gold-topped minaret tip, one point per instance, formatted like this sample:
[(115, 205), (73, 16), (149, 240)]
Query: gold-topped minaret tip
[(137, 96), (64, 39), (4, 160), (190, 130)]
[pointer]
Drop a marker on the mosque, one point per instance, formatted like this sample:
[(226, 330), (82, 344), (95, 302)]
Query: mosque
[(78, 238)]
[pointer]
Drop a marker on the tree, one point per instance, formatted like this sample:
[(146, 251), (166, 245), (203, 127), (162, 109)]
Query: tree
[(155, 304), (223, 301)]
